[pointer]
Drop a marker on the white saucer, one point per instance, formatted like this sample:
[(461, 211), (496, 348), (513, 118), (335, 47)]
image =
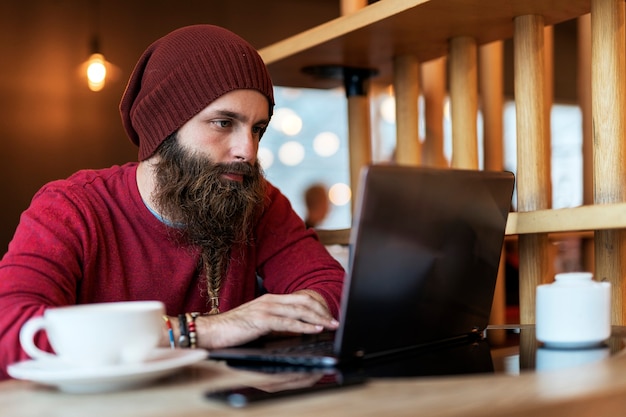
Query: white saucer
[(105, 379)]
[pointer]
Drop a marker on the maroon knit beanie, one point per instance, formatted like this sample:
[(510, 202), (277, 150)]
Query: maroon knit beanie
[(182, 73)]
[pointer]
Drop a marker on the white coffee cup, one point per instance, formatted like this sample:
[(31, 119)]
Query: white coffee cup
[(102, 334), (574, 311)]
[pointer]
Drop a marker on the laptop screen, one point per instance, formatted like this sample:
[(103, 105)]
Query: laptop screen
[(426, 247)]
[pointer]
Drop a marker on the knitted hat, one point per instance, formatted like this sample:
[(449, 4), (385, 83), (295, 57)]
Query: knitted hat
[(182, 73)]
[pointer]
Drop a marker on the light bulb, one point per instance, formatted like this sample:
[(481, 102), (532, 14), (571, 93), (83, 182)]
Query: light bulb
[(96, 72)]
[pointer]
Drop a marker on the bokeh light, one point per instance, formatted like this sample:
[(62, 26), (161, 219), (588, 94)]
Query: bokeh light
[(265, 157), (388, 109), (339, 194), (286, 121), (291, 153), (326, 144)]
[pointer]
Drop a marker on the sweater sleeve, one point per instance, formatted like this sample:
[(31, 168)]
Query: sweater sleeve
[(40, 269), (290, 256)]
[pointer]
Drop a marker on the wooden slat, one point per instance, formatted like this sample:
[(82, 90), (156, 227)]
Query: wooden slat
[(608, 44), (351, 6), (583, 218), (548, 97), (533, 174), (406, 91), (584, 101), (491, 76), (491, 82), (334, 236), (361, 19), (359, 138), (359, 124), (464, 102), (433, 79)]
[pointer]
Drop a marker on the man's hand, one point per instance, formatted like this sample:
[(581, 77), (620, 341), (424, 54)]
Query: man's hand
[(301, 312)]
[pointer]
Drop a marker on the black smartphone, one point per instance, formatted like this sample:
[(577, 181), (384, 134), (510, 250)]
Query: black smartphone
[(286, 384)]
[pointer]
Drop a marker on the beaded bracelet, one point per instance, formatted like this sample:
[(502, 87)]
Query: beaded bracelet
[(191, 325), (183, 340), (170, 331)]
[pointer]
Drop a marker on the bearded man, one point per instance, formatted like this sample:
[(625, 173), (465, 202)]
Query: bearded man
[(193, 224)]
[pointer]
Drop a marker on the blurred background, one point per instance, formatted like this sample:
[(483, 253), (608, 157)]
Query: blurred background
[(52, 124)]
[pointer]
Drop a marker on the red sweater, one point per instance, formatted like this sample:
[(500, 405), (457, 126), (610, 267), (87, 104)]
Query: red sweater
[(90, 239)]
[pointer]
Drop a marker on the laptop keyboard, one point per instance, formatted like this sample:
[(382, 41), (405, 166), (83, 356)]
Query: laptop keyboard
[(319, 348)]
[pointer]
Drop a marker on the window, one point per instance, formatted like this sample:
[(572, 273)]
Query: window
[(307, 143)]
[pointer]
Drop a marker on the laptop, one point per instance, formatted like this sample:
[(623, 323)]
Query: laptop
[(424, 255)]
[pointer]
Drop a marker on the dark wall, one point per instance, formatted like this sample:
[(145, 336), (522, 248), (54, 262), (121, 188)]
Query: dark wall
[(51, 124)]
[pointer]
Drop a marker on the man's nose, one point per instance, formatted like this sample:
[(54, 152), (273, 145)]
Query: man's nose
[(245, 147)]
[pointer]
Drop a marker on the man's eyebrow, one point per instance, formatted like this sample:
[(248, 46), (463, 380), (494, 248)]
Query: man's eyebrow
[(228, 113), (237, 116)]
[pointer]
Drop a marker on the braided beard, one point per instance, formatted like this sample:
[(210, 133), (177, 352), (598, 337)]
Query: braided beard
[(210, 212)]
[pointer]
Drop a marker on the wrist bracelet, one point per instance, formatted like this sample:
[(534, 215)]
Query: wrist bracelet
[(183, 340), (191, 326), (170, 331)]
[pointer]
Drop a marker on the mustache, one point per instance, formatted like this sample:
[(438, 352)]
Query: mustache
[(239, 168)]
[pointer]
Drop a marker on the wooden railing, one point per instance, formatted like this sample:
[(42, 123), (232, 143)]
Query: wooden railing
[(396, 37)]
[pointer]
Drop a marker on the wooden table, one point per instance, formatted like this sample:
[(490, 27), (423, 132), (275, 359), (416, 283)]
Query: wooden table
[(589, 390)]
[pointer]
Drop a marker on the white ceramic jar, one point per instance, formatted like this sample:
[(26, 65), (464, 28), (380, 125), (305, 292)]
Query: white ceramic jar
[(573, 312), (553, 359)]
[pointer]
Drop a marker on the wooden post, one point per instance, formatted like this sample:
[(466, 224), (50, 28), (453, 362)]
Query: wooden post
[(533, 174), (464, 102), (406, 91), (491, 75), (584, 101), (359, 123), (434, 91), (359, 137), (548, 97), (351, 6), (608, 108), (491, 83)]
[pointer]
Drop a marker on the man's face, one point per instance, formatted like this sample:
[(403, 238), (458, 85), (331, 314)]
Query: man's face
[(207, 178), (229, 129)]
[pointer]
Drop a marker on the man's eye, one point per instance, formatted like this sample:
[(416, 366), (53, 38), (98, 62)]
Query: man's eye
[(223, 123)]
